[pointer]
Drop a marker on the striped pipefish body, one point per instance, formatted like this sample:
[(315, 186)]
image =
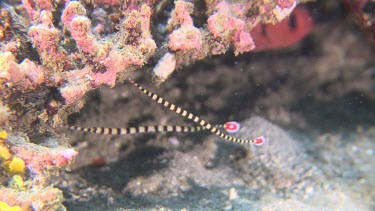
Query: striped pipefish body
[(212, 128), (141, 129), (230, 127)]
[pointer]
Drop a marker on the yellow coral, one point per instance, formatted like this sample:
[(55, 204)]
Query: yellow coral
[(3, 135), (5, 207), (16, 166), (17, 182), (4, 152)]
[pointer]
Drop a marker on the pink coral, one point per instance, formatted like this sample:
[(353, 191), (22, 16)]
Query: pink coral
[(80, 28), (33, 73), (72, 93), (115, 63), (77, 86), (44, 38), (24, 75), (135, 45), (35, 6), (180, 15), (40, 198), (39, 158), (112, 56), (71, 10), (243, 43), (226, 27), (186, 39), (108, 2), (286, 3)]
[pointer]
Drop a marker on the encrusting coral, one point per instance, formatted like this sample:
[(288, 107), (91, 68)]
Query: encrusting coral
[(25, 168)]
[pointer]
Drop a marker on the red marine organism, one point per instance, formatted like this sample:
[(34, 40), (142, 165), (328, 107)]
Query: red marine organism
[(285, 33), (99, 162)]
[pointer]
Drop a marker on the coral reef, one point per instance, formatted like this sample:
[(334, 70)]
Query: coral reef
[(25, 168), (42, 198), (53, 52)]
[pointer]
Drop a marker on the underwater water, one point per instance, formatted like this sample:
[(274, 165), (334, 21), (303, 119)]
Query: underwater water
[(314, 104), (313, 101)]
